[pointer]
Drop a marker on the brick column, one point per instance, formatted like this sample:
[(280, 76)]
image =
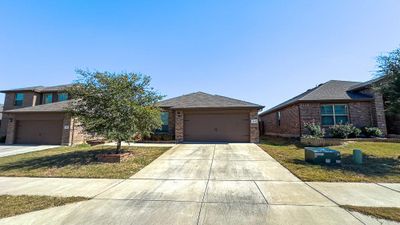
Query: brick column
[(254, 129), (67, 132), (11, 128), (179, 125), (380, 112)]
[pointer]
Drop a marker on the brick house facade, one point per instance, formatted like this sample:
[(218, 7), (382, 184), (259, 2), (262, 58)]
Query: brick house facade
[(204, 117), (39, 118), (363, 108)]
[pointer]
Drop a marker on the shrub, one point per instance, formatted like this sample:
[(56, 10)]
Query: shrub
[(343, 131), (356, 132), (159, 137), (314, 130), (372, 132)]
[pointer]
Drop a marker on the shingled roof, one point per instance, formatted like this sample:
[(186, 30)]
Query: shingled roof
[(51, 107), (366, 84), (332, 90), (40, 88), (204, 100)]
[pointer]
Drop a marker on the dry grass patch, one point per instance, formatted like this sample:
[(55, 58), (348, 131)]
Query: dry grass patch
[(15, 205), (381, 161), (78, 161), (378, 212)]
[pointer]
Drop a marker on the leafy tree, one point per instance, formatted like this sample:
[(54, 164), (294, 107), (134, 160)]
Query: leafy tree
[(389, 86), (115, 105)]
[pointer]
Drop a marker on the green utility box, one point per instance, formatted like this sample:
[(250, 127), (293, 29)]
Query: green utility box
[(319, 155)]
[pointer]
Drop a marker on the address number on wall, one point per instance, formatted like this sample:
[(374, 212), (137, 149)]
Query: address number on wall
[(254, 121)]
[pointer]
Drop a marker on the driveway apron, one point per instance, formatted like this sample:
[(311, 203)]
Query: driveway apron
[(202, 184)]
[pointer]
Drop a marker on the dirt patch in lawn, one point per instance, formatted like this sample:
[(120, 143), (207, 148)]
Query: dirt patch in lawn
[(381, 161), (15, 205), (79, 161)]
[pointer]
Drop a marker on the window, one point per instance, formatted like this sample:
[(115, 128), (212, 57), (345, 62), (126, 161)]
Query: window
[(47, 98), (164, 119), (62, 97), (334, 114), (278, 118), (19, 99)]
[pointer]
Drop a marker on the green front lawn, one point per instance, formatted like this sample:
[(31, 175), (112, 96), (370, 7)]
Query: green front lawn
[(378, 212), (15, 205), (79, 161), (381, 161)]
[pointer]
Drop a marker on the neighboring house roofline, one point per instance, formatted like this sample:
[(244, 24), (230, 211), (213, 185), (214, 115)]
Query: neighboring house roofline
[(39, 89), (50, 107), (366, 84), (272, 110), (331, 91)]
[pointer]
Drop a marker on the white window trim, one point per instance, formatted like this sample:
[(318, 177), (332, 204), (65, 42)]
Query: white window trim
[(334, 113)]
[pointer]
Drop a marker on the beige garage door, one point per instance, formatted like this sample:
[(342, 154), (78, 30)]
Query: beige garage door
[(217, 126), (45, 132)]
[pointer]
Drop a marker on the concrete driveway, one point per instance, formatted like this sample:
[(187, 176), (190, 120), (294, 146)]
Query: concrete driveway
[(7, 150), (202, 184)]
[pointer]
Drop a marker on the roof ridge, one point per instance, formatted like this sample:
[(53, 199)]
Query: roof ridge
[(234, 99)]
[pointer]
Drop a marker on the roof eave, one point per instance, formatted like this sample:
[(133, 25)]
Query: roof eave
[(218, 107), (315, 101), (33, 111)]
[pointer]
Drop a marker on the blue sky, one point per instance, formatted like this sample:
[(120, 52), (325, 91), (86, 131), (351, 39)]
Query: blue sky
[(260, 51)]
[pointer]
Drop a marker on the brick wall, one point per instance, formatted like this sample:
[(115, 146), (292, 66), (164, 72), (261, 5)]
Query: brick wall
[(289, 125), (393, 123), (73, 132), (179, 123), (254, 129), (30, 99), (377, 110), (360, 114), (309, 112), (11, 126)]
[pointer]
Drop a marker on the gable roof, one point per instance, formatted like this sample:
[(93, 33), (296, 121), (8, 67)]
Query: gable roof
[(51, 107), (332, 90), (204, 100), (366, 84), (40, 88)]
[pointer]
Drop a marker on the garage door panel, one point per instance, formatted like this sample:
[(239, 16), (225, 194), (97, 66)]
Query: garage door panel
[(233, 127), (39, 132)]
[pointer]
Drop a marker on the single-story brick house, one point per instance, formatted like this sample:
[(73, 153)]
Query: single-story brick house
[(333, 102), (37, 115), (199, 116)]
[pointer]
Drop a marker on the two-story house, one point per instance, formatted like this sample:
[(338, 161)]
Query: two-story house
[(37, 115)]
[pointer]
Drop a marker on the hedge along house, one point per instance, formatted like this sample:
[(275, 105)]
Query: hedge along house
[(37, 115), (202, 117), (330, 103)]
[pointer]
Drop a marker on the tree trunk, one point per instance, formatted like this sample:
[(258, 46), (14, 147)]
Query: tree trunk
[(118, 147)]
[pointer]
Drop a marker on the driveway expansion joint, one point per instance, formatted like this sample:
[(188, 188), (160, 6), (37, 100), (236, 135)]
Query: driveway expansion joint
[(206, 188)]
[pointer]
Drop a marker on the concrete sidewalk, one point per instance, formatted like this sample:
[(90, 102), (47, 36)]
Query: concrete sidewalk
[(207, 184), (360, 194), (8, 150), (64, 187)]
